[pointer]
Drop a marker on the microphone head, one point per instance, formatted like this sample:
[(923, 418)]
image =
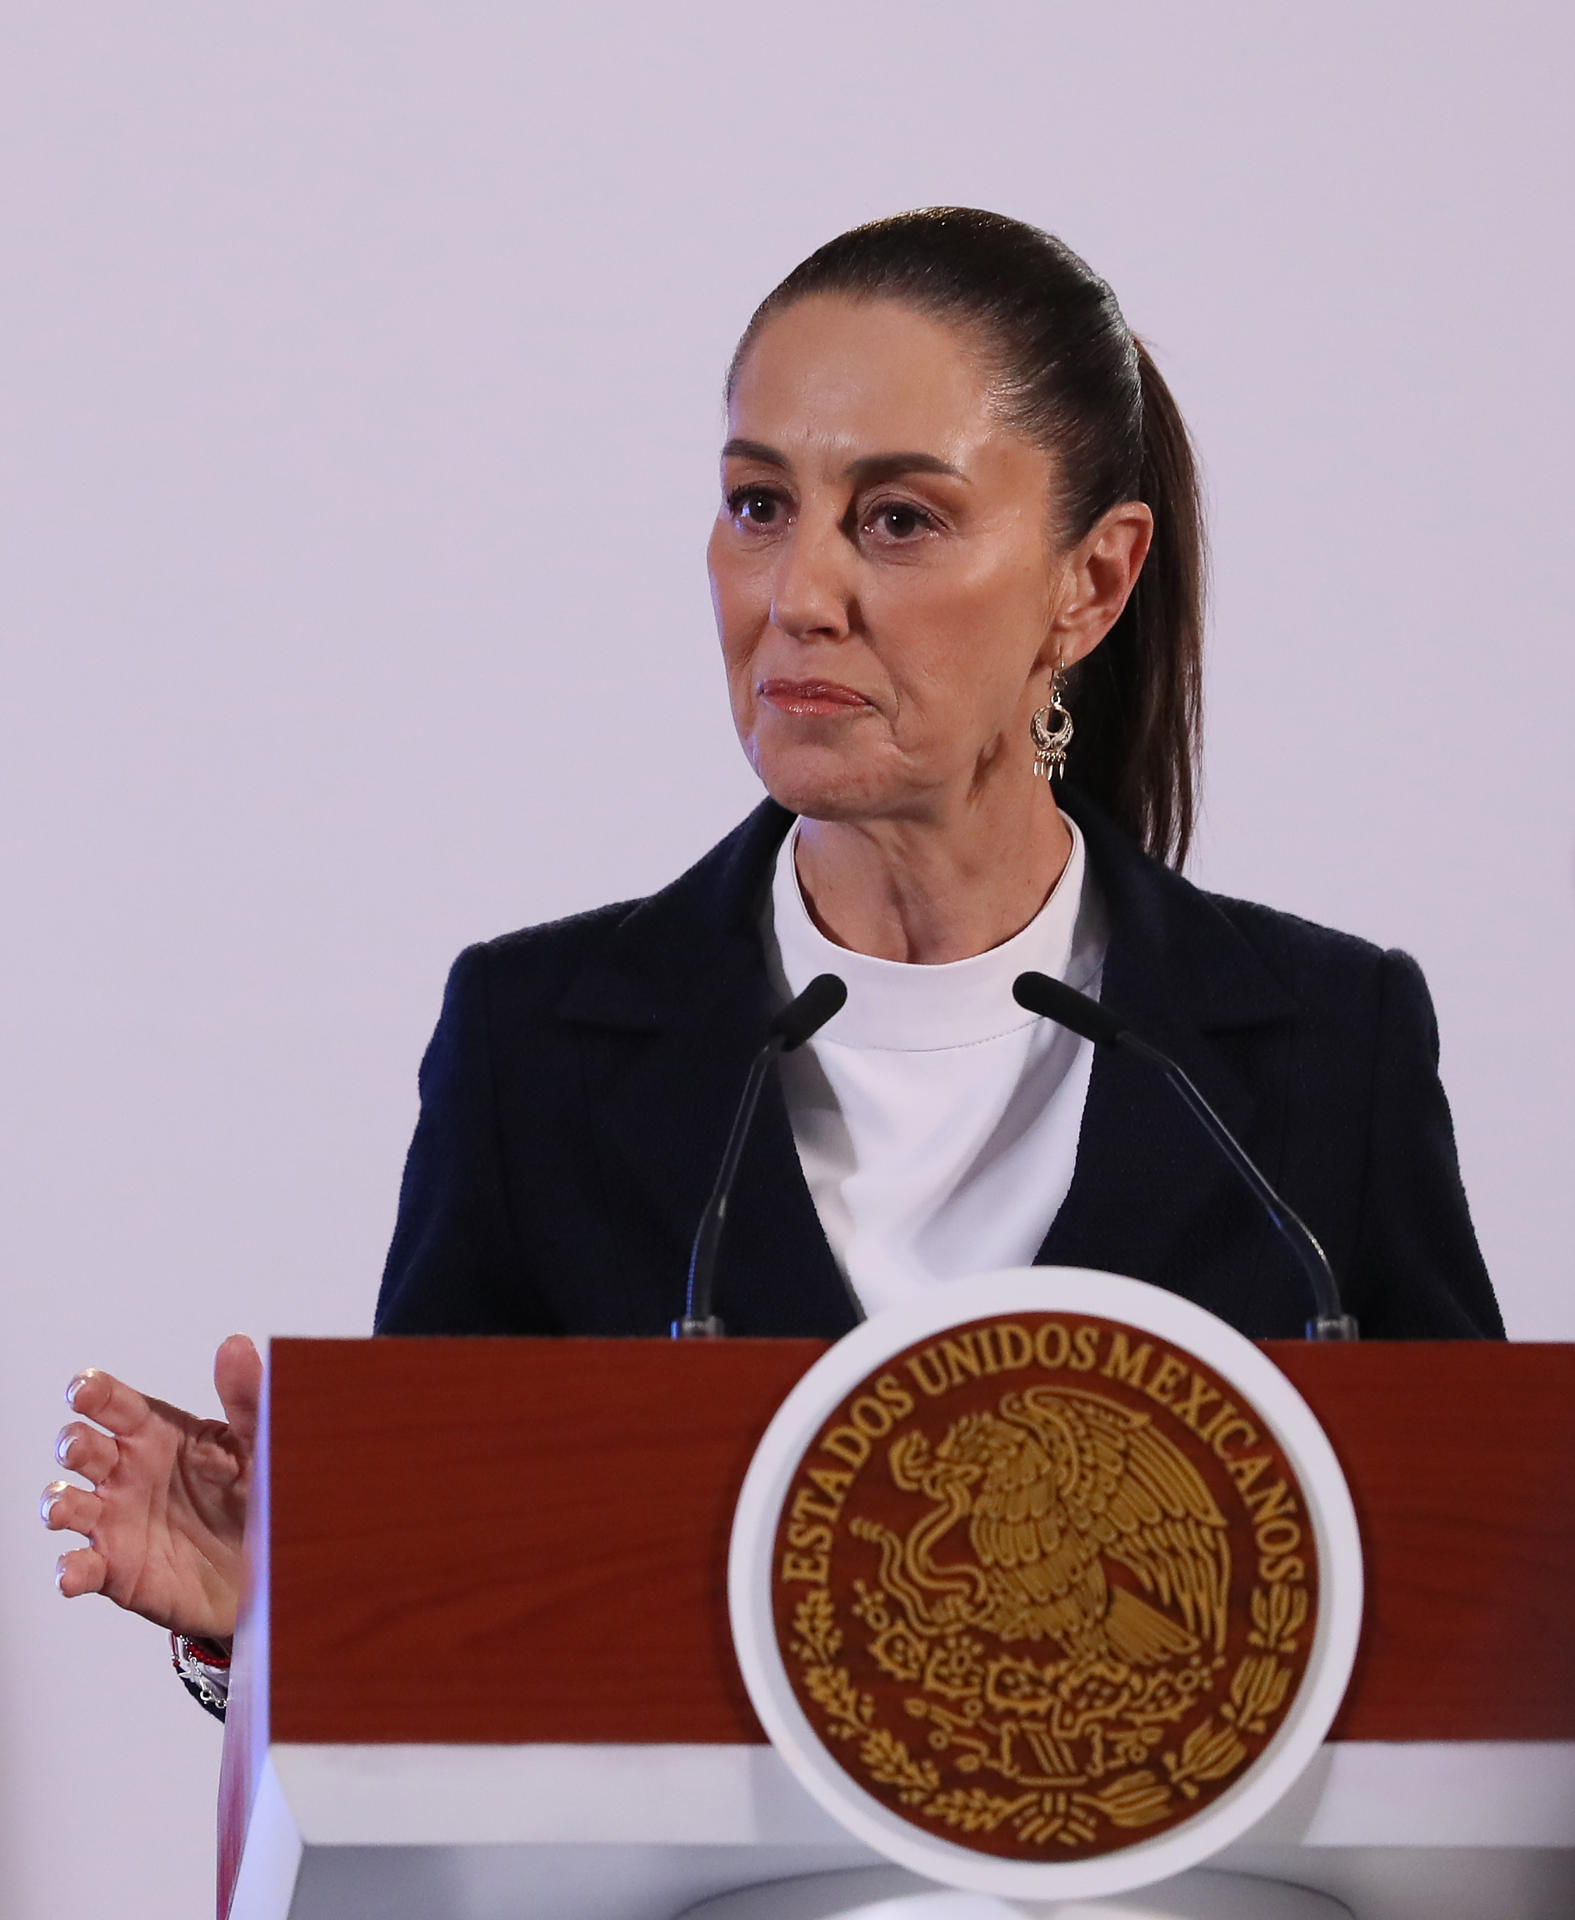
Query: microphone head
[(1055, 1000), (803, 1018)]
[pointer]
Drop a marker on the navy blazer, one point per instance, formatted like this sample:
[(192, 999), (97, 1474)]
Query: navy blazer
[(578, 1090)]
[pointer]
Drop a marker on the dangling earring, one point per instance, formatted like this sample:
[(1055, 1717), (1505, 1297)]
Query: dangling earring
[(1050, 747)]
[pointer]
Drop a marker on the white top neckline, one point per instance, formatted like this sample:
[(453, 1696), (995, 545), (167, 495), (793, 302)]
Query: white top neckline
[(895, 1005), (936, 1121)]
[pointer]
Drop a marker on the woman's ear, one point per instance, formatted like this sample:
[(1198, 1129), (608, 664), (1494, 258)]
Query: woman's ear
[(1101, 572)]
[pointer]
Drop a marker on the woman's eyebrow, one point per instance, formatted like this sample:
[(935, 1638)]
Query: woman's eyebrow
[(875, 467), (870, 469), (754, 450)]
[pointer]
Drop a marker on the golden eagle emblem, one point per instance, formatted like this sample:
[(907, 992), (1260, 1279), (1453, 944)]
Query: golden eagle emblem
[(1058, 1488), (1041, 1616)]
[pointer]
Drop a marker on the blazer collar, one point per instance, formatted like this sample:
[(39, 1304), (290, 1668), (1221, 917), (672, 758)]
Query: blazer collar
[(673, 957), (1176, 963), (1184, 976), (685, 968), (682, 995)]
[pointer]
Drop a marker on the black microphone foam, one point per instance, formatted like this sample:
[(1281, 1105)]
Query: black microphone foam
[(803, 1018), (1055, 1000), (798, 1021)]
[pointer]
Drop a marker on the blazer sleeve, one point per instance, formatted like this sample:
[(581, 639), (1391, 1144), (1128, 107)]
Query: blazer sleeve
[(455, 1265), (1417, 1272)]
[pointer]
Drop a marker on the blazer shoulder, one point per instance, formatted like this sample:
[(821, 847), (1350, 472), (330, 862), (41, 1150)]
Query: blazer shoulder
[(1225, 960), (1339, 978), (625, 958), (1308, 959), (539, 963), (574, 937)]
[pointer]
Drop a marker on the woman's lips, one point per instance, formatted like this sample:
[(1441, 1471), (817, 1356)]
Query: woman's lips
[(811, 696)]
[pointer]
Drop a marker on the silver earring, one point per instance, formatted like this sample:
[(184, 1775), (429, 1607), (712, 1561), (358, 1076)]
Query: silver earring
[(1050, 745)]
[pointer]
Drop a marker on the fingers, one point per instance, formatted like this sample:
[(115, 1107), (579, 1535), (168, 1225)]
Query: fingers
[(238, 1376), (100, 1396), (65, 1508), (86, 1451), (80, 1571)]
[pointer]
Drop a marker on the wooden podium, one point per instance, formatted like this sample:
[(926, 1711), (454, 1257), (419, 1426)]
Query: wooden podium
[(487, 1669)]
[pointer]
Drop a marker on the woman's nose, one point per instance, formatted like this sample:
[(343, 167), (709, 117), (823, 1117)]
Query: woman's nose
[(813, 588)]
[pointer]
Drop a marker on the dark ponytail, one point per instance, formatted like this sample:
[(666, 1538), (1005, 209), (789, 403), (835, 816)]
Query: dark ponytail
[(1072, 377), (1137, 699)]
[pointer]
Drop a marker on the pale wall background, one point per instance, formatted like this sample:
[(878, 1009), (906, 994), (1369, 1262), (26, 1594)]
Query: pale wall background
[(358, 410)]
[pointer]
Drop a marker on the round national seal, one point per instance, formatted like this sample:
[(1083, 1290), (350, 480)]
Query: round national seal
[(1054, 1599)]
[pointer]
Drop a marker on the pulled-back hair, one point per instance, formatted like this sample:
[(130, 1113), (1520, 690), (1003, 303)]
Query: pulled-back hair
[(1073, 379)]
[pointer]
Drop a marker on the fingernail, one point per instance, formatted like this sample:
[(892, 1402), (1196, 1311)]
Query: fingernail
[(75, 1388), (60, 1572), (51, 1494), (63, 1447)]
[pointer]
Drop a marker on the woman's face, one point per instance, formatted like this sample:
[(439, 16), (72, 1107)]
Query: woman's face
[(888, 587)]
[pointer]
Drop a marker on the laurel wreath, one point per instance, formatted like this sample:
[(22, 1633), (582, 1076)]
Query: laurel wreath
[(1211, 1751)]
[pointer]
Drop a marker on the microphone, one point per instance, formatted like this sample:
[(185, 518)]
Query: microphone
[(1055, 1000), (798, 1021)]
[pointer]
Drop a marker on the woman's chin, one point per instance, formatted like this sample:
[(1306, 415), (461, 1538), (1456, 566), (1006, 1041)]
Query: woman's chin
[(827, 792)]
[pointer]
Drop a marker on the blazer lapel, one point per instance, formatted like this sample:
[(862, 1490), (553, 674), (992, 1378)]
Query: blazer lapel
[(678, 1002), (1146, 1172), (676, 1008)]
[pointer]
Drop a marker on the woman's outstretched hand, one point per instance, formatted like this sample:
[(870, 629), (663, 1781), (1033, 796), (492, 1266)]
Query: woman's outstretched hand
[(166, 1510)]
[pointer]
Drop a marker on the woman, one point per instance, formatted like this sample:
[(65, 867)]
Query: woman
[(959, 545)]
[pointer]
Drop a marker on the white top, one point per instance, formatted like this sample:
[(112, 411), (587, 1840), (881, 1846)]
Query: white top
[(936, 1120)]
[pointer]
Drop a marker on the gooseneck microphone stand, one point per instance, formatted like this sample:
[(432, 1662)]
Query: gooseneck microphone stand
[(1055, 1000), (797, 1022)]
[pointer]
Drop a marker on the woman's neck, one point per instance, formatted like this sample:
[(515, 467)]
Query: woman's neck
[(926, 893)]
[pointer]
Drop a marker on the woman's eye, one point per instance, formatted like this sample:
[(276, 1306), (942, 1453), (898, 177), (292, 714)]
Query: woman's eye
[(754, 506), (899, 520)]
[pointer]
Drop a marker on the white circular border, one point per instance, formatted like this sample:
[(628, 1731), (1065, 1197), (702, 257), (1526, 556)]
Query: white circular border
[(1152, 1310)]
